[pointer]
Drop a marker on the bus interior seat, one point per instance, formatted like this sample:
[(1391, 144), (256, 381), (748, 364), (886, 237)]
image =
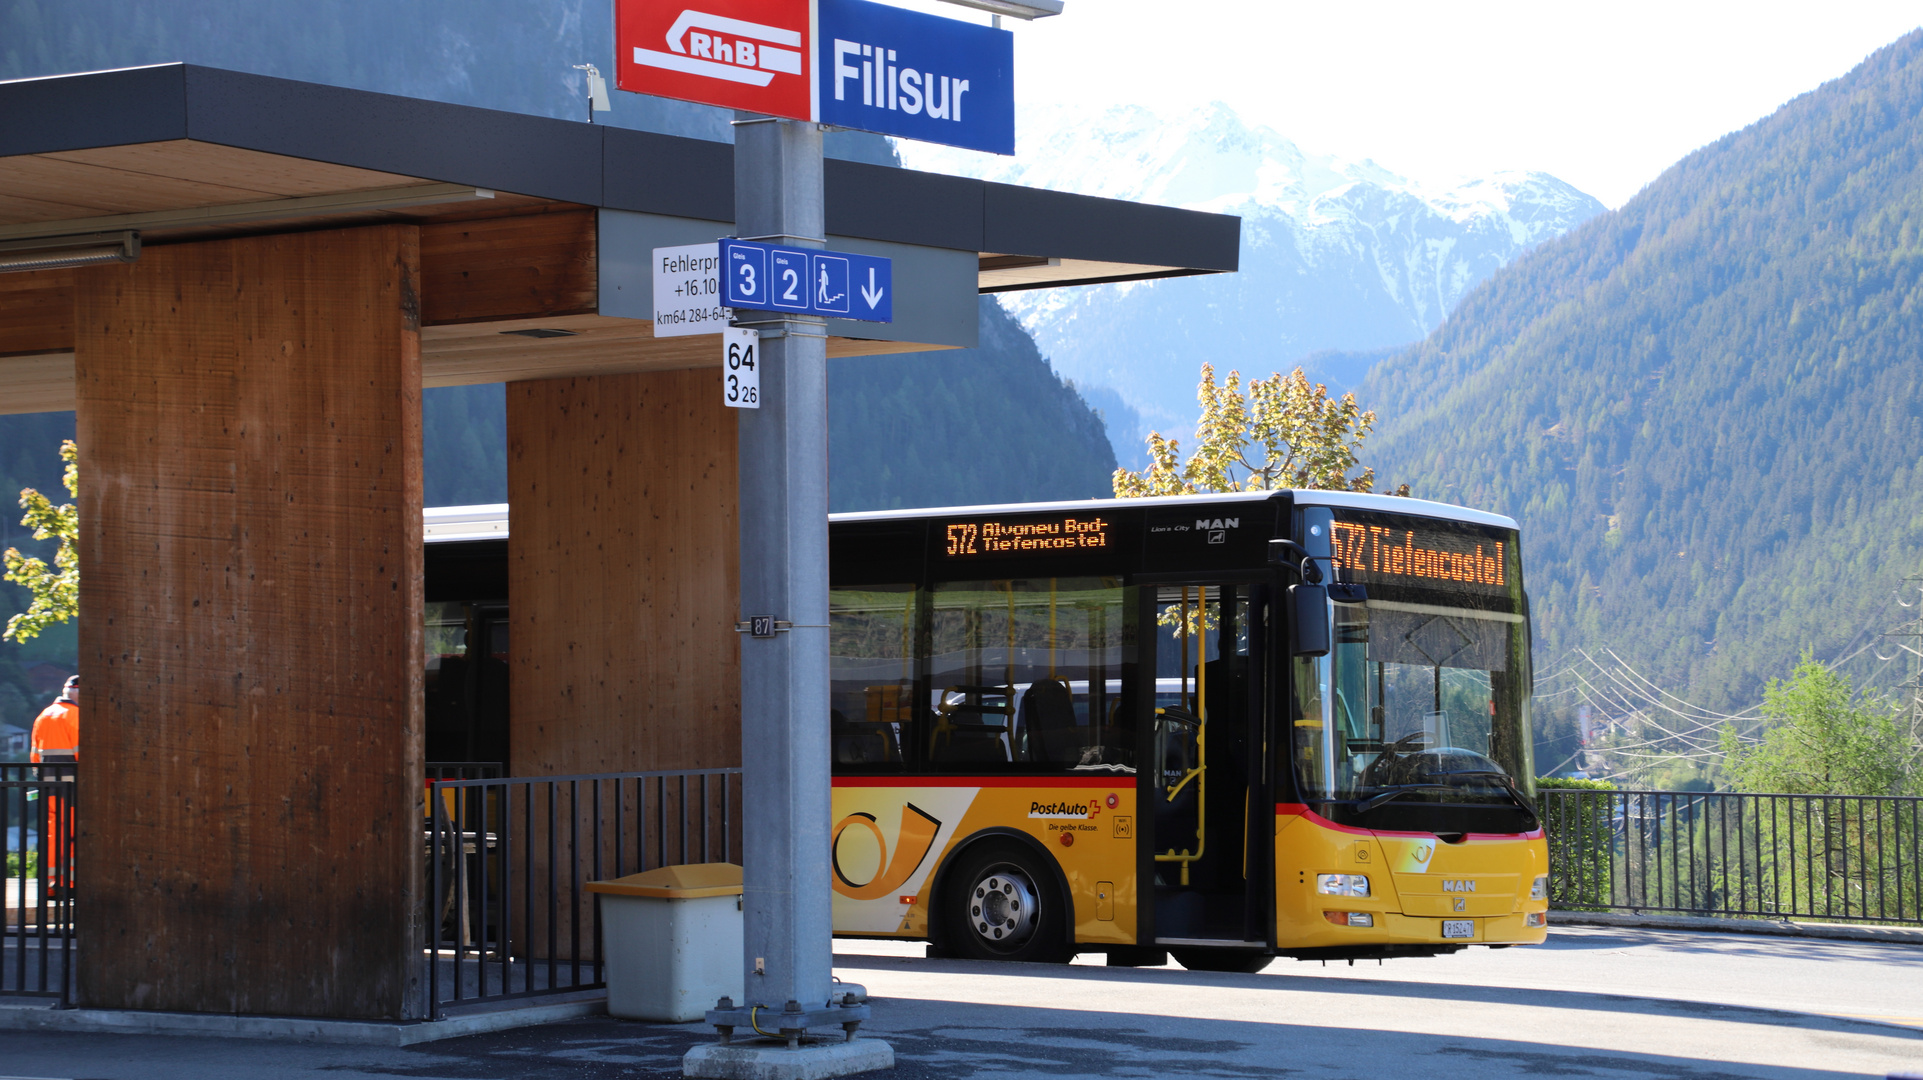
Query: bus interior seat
[(1048, 720), (964, 733), (859, 744), (1175, 743), (973, 743)]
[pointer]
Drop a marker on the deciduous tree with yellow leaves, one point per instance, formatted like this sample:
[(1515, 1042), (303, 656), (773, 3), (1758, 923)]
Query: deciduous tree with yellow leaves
[(1285, 433), (55, 589)]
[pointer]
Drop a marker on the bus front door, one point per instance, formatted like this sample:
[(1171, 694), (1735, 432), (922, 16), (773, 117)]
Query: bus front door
[(1206, 780)]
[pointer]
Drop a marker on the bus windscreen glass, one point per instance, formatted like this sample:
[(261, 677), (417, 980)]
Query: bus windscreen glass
[(1424, 697)]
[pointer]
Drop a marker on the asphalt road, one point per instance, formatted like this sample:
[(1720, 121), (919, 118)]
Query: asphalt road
[(1604, 1003)]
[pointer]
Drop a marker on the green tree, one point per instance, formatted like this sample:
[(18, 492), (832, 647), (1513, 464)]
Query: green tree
[(1286, 432), (55, 589), (1824, 739)]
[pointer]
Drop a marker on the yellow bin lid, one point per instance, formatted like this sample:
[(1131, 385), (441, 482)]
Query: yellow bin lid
[(683, 882)]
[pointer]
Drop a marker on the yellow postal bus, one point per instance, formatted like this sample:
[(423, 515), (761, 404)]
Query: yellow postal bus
[(1225, 728)]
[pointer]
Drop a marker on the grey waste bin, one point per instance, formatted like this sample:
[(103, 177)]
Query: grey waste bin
[(671, 938)]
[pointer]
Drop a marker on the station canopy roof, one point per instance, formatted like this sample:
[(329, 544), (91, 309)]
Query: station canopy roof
[(179, 152)]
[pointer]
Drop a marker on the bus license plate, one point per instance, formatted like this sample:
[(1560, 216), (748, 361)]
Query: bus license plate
[(1458, 928)]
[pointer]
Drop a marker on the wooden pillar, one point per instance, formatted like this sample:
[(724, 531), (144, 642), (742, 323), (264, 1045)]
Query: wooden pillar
[(250, 627), (622, 581)]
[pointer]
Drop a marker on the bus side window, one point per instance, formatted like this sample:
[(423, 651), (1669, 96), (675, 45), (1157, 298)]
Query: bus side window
[(871, 672), (1026, 675)]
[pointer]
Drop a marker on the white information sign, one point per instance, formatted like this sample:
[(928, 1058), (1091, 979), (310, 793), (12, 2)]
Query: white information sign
[(687, 290), (741, 364)]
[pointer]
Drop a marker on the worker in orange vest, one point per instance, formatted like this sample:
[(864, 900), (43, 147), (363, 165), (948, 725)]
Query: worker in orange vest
[(56, 731), (56, 741)]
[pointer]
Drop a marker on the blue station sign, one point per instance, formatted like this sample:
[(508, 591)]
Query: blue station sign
[(902, 73), (800, 281)]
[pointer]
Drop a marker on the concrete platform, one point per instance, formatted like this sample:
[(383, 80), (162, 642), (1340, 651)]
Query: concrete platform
[(769, 1060), (1594, 1002), (40, 1017)]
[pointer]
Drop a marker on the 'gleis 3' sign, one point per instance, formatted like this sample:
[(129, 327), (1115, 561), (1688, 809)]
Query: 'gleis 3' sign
[(849, 63)]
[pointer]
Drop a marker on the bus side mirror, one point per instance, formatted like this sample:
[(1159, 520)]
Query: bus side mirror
[(1309, 619)]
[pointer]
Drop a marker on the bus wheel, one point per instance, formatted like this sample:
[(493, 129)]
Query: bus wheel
[(1241, 961), (1000, 905)]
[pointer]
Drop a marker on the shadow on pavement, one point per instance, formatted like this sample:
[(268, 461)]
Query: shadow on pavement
[(1280, 980), (936, 1040)]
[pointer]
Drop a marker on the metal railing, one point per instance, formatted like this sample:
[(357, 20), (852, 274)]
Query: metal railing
[(508, 912), (34, 770), (1844, 858), (37, 816)]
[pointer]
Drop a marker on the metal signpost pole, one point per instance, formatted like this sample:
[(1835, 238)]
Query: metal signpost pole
[(784, 572), (783, 444)]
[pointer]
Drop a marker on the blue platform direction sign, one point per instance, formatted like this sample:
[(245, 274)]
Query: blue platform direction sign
[(832, 284), (898, 72)]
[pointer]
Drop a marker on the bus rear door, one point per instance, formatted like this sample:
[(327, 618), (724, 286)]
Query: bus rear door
[(1204, 791)]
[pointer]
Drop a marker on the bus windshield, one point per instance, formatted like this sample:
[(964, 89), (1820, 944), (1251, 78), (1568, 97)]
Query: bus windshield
[(1416, 704)]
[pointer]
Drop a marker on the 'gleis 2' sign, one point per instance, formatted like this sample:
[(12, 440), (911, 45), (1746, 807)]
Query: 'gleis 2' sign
[(850, 63)]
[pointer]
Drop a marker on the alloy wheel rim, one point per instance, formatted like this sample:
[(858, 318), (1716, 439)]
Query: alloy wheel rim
[(1002, 908)]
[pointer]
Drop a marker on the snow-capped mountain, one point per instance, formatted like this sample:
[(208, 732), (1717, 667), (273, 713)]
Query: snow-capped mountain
[(1337, 256)]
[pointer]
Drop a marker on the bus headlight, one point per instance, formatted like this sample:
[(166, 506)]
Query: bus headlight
[(1540, 890), (1342, 884), (1536, 920), (1349, 918)]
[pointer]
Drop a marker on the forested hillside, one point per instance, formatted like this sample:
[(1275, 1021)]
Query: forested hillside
[(988, 424), (1707, 407)]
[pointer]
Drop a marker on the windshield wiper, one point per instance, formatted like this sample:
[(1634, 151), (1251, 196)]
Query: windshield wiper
[(1508, 784), (1502, 780), (1396, 792)]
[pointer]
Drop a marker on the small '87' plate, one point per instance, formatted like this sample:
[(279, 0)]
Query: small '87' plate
[(1458, 928)]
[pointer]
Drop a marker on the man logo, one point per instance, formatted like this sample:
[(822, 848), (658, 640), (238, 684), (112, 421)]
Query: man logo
[(1216, 524), (1462, 903), (915, 841), (1452, 885)]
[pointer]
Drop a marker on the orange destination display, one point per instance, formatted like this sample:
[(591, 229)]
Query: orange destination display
[(1445, 558), (1029, 536)]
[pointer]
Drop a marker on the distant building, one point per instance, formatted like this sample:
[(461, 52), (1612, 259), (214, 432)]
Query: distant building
[(47, 678)]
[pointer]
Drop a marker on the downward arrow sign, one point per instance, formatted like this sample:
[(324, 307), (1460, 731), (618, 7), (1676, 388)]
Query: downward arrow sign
[(869, 292)]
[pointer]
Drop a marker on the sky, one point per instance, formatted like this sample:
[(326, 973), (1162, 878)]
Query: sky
[(1602, 96)]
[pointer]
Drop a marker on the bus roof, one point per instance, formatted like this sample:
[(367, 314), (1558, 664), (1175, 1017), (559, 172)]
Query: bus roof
[(449, 524), (1388, 504)]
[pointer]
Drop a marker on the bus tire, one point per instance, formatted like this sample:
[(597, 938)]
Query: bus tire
[(1001, 903), (1239, 961)]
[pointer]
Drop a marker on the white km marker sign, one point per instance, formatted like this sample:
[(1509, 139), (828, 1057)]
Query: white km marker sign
[(737, 51), (741, 373)]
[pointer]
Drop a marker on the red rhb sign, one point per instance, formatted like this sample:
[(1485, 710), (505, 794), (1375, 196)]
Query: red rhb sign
[(738, 54)]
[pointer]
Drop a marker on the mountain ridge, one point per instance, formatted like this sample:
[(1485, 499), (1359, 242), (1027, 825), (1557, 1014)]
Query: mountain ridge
[(1704, 407), (1338, 255)]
